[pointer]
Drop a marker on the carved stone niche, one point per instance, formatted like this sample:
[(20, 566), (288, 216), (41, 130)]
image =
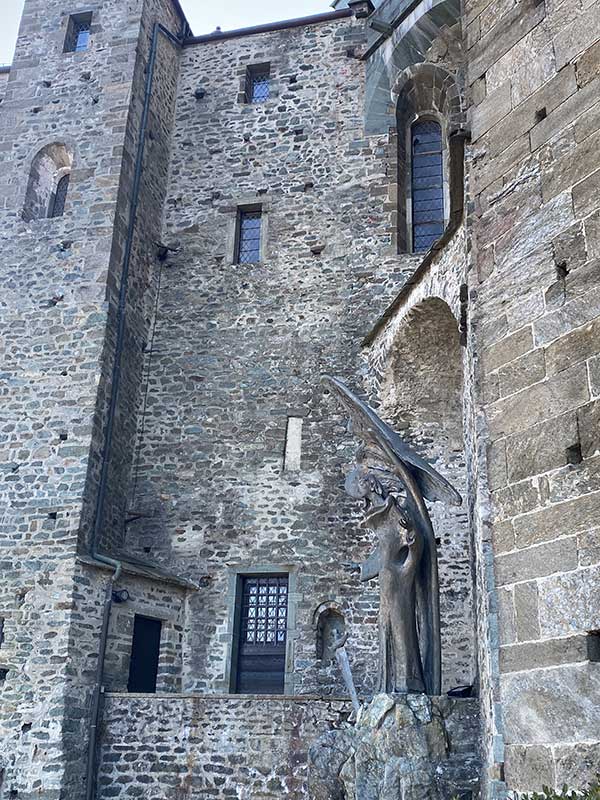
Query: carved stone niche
[(329, 624)]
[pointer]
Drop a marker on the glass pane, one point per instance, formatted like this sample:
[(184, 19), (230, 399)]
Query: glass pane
[(260, 88), (57, 203), (249, 253), (427, 188)]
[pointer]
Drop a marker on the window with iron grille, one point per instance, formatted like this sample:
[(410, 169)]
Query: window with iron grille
[(427, 184), (78, 33), (248, 236), (258, 79), (262, 634), (59, 198)]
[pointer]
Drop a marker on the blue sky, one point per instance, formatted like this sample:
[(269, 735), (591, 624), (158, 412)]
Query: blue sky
[(203, 15)]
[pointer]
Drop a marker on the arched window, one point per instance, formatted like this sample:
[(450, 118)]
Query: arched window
[(427, 184), (59, 197), (48, 182)]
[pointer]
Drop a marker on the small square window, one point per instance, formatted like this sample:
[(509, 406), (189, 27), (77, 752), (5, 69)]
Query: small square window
[(248, 236), (258, 79), (78, 33)]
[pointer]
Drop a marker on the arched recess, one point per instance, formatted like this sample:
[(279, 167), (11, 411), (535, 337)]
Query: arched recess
[(421, 394), (425, 92), (48, 182)]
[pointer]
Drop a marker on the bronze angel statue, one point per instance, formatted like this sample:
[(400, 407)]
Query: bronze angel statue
[(393, 482)]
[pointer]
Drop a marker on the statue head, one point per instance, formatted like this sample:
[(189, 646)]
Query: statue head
[(363, 484)]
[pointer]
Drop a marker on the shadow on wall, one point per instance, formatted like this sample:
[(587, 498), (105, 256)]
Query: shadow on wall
[(422, 398)]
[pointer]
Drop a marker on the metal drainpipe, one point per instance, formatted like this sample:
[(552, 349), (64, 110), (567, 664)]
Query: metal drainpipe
[(96, 706)]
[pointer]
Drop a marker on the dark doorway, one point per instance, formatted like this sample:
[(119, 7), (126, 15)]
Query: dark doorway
[(145, 650), (261, 634)]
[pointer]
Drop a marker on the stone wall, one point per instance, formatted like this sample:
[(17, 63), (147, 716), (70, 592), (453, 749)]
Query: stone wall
[(534, 76), (205, 746), (240, 348), (59, 286)]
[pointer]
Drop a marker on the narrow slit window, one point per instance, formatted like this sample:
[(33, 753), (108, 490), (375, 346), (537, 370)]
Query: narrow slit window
[(78, 33), (258, 80), (248, 237), (427, 184), (262, 634), (59, 197), (145, 652)]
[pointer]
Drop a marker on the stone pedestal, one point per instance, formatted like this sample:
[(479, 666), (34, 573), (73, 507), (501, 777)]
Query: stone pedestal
[(411, 747)]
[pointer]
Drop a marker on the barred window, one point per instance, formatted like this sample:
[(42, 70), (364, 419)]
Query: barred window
[(262, 633), (78, 33), (59, 197), (248, 236), (258, 83), (427, 174)]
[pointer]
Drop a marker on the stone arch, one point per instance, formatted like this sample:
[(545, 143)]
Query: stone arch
[(49, 166), (424, 91), (421, 396)]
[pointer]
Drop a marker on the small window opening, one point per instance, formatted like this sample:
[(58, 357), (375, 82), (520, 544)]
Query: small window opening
[(427, 184), (593, 646), (248, 236), (293, 444), (258, 79), (262, 607), (78, 33), (541, 114), (58, 199), (145, 652)]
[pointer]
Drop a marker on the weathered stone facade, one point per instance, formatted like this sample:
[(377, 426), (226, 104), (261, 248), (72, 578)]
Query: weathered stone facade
[(148, 381)]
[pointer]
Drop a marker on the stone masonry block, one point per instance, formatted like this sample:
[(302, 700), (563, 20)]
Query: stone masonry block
[(510, 29), (571, 168), (507, 349), (569, 602), (520, 411), (522, 372), (594, 373), (589, 428), (525, 116), (588, 65), (526, 611), (529, 768), (579, 311), (541, 448), (592, 234), (550, 705), (579, 345), (588, 547), (535, 562), (564, 114), (586, 195), (518, 498), (521, 657), (583, 31), (559, 519), (491, 110), (576, 765)]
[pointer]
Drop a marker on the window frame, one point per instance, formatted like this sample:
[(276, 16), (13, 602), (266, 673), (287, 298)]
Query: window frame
[(248, 209), (429, 116), (231, 639), (82, 18), (252, 72)]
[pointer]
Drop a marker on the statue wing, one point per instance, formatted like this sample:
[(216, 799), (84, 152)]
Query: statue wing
[(374, 431)]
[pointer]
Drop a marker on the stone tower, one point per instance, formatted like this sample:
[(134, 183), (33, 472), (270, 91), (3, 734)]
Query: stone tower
[(195, 230)]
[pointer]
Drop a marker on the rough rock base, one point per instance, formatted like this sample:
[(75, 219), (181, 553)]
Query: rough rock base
[(403, 747)]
